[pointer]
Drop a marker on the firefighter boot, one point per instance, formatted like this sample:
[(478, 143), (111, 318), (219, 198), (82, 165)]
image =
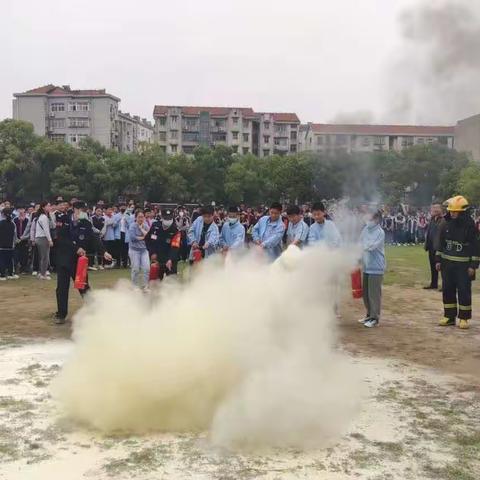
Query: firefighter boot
[(446, 322), (463, 324)]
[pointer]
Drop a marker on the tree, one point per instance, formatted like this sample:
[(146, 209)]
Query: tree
[(468, 184)]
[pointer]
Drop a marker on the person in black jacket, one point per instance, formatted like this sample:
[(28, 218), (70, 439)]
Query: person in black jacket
[(74, 237), (163, 242), (431, 242), (22, 247), (457, 258), (8, 240)]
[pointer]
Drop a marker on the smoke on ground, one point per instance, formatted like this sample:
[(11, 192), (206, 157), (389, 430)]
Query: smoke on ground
[(435, 75), (243, 349)]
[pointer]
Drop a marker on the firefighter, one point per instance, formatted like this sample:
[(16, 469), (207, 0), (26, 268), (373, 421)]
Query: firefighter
[(74, 237), (457, 258), (163, 242)]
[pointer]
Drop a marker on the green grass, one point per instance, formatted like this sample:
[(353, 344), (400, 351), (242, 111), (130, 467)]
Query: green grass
[(407, 266)]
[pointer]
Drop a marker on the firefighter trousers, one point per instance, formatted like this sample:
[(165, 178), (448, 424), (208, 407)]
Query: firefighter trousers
[(457, 290)]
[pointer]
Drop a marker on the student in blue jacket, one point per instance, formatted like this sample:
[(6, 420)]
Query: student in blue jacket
[(323, 230), (268, 232), (297, 231), (203, 234), (372, 240), (232, 236)]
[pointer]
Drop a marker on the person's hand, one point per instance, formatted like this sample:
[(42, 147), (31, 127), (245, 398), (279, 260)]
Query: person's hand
[(169, 264), (257, 242), (471, 272), (205, 247), (81, 252), (438, 266), (195, 245), (50, 243), (107, 257)]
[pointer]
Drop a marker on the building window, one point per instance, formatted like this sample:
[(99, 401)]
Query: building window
[(78, 107), (266, 152), (245, 150), (293, 126), (162, 136), (174, 134), (266, 138), (442, 140), (173, 148), (57, 138), (235, 120), (235, 148), (266, 125), (366, 141), (57, 107), (293, 148), (188, 149), (173, 119), (280, 129), (293, 135), (76, 138), (341, 140), (319, 140), (379, 140), (162, 121), (235, 135), (79, 122), (245, 137), (430, 140), (57, 123), (420, 141), (245, 124)]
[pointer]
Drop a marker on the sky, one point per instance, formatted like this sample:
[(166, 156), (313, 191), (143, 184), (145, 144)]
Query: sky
[(324, 60)]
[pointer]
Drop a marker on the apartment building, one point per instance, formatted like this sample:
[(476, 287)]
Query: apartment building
[(67, 115), (467, 136), (183, 128), (133, 132), (331, 138)]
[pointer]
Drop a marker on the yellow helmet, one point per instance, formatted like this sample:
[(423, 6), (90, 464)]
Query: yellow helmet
[(457, 204)]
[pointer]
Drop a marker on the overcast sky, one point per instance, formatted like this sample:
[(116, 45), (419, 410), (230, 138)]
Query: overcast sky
[(317, 58)]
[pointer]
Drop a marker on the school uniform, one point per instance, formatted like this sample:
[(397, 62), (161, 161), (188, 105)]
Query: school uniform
[(269, 233), (232, 235), (326, 233), (297, 232), (202, 233)]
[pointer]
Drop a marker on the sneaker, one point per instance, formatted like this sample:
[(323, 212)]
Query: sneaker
[(13, 277), (3, 279), (446, 322), (101, 267), (363, 320), (58, 320), (47, 274), (34, 274), (463, 324), (93, 269), (44, 277), (429, 287), (372, 322)]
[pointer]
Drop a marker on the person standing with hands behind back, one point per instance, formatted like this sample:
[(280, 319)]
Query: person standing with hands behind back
[(431, 242)]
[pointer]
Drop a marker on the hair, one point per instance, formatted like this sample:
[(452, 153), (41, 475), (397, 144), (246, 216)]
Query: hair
[(318, 206), (276, 206), (41, 209), (378, 216), (139, 210), (7, 212), (206, 210), (293, 210), (233, 209)]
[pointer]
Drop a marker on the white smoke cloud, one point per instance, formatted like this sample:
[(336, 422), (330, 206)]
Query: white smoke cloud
[(245, 350)]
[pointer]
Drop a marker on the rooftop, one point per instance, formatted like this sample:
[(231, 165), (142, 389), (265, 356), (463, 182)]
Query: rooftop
[(161, 110), (65, 90), (357, 129)]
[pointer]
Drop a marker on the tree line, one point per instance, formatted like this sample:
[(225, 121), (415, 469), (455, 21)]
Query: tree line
[(33, 168)]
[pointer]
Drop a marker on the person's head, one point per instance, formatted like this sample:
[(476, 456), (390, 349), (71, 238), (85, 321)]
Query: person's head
[(80, 210), (44, 207), (109, 211), (7, 204), (275, 211), (139, 217), (98, 211), (375, 219), (21, 211), (318, 212), (7, 213), (457, 206), (167, 218), (123, 208), (233, 215), (294, 213), (436, 210), (207, 214), (148, 213)]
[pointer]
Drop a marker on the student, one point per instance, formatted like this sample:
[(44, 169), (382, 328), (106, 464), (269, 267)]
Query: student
[(232, 236), (111, 223), (203, 234), (268, 231), (137, 250), (372, 240), (21, 249), (297, 231), (8, 239), (43, 239), (323, 230)]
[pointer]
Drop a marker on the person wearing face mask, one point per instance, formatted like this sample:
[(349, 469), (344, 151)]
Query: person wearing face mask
[(164, 241), (74, 238), (232, 236), (457, 257), (372, 240)]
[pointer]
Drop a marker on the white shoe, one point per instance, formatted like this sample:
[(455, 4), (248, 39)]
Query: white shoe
[(101, 267), (44, 277), (34, 274), (3, 279), (47, 274), (363, 320), (370, 323), (93, 269), (13, 277)]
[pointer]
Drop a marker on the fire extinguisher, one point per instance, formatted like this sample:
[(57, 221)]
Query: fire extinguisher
[(154, 271), (357, 291), (197, 255), (81, 273)]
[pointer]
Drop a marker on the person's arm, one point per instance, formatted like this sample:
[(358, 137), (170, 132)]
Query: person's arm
[(276, 236), (238, 237), (26, 233), (376, 243), (301, 234), (44, 223), (191, 234), (256, 233), (213, 237), (440, 245), (474, 248)]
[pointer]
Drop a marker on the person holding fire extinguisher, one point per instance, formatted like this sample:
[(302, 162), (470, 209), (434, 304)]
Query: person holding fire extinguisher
[(372, 240), (163, 241), (74, 237)]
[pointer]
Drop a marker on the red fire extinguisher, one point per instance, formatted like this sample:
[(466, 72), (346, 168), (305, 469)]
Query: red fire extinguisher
[(81, 273), (154, 271), (197, 255), (357, 291)]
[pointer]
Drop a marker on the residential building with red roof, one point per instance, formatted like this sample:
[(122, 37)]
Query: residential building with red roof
[(183, 128), (328, 137)]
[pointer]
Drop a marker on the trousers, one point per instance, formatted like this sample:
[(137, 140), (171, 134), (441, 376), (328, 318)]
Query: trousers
[(372, 294), (457, 290)]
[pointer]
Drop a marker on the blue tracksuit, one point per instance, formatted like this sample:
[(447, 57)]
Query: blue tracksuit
[(232, 236), (195, 233), (373, 244), (270, 235), (297, 231), (325, 232)]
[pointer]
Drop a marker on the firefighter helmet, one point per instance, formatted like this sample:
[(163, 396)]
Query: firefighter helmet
[(457, 204)]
